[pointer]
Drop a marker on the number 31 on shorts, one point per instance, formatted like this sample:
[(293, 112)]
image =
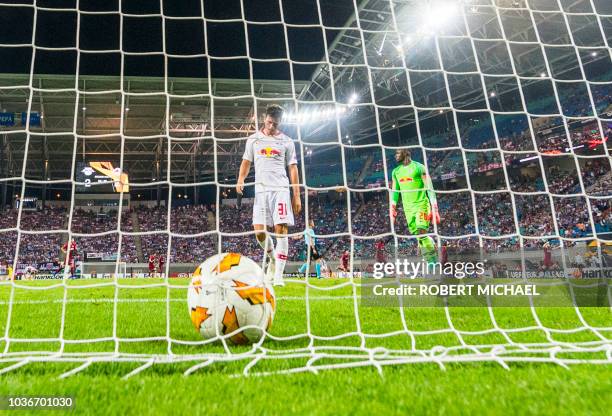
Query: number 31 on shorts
[(282, 209)]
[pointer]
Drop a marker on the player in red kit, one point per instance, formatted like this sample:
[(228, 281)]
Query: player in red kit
[(443, 254), (380, 251), (161, 262), (71, 255), (152, 261), (344, 262), (547, 261)]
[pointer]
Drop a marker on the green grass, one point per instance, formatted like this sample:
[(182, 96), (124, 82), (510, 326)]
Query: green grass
[(422, 388)]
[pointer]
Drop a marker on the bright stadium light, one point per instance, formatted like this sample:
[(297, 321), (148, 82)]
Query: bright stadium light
[(317, 114), (353, 98), (439, 14)]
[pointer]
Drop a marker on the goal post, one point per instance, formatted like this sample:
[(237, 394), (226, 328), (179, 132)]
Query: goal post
[(104, 270), (505, 103)]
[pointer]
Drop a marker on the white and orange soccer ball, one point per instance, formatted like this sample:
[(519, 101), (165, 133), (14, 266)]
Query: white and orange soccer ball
[(227, 295)]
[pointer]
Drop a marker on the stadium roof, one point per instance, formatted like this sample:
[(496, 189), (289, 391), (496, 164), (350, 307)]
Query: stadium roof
[(98, 105), (186, 110)]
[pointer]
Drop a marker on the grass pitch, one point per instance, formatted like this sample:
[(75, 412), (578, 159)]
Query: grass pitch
[(331, 321)]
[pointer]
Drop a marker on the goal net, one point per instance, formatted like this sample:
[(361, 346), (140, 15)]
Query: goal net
[(122, 128), (94, 270)]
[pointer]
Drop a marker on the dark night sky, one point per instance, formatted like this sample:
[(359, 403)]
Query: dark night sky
[(58, 29)]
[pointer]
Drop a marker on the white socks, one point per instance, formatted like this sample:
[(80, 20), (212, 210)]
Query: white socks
[(277, 256), (282, 249), (268, 245)]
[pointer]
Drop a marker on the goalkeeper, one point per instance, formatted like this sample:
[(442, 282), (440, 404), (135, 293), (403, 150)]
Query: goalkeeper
[(420, 206)]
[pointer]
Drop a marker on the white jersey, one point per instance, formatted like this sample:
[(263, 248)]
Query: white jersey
[(271, 156)]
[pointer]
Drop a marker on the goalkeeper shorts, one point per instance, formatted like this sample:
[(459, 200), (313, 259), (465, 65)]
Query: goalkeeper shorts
[(314, 254), (418, 217)]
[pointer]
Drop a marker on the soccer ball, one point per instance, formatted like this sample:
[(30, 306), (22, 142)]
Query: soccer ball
[(227, 293)]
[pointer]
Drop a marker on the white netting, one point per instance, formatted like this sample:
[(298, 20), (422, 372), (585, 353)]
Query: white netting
[(476, 89)]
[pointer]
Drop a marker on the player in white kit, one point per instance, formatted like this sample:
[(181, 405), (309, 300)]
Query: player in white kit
[(273, 154)]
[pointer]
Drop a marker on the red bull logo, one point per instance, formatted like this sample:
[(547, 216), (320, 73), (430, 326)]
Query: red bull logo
[(405, 179), (269, 152)]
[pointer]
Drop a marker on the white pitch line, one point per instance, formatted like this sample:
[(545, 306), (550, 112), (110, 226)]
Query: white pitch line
[(148, 300)]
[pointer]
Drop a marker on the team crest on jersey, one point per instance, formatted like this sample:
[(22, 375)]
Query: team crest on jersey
[(269, 152)]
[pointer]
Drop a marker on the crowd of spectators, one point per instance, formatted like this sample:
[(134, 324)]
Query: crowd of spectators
[(562, 181), (483, 162), (517, 143), (92, 222), (553, 144), (575, 103), (584, 140), (8, 245), (33, 248), (534, 215), (36, 248), (602, 215), (152, 218), (572, 217), (47, 219), (446, 163), (596, 177), (192, 249), (184, 220), (103, 246), (370, 224), (495, 216), (525, 182)]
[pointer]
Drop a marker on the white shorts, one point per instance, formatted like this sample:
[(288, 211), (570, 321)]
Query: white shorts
[(272, 208)]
